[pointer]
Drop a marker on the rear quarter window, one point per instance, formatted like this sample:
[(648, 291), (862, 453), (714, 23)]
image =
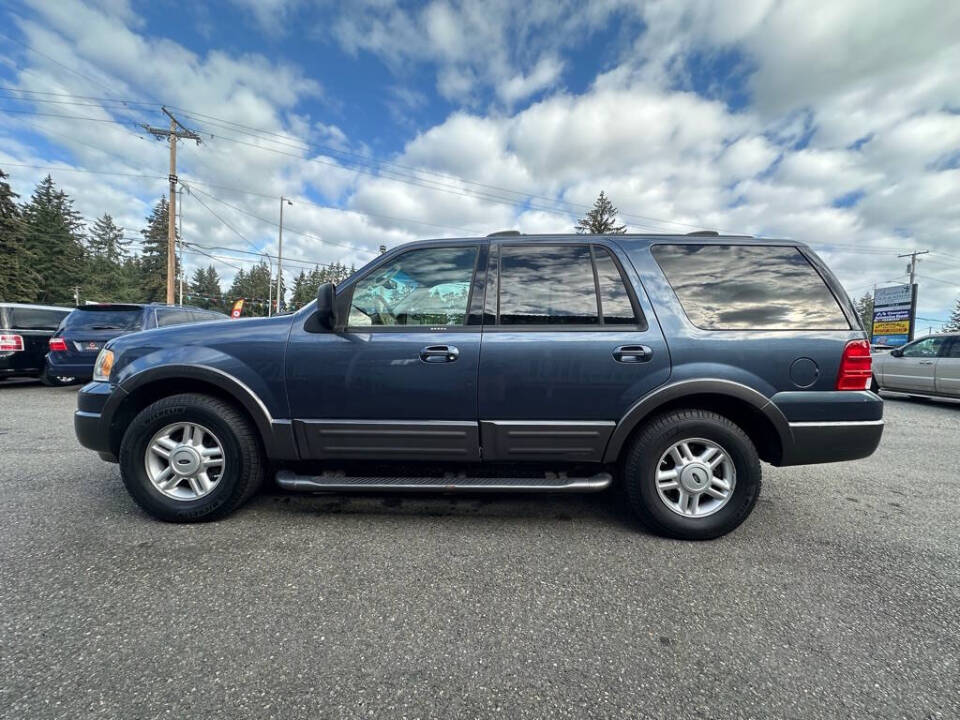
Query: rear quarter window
[(749, 287)]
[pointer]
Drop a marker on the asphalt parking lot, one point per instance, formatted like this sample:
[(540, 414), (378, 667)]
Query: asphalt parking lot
[(837, 598)]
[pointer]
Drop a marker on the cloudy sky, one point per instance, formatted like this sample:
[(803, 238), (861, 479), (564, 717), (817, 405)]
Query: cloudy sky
[(835, 123)]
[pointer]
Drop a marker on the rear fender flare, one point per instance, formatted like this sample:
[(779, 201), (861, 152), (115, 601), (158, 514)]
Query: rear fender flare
[(648, 405)]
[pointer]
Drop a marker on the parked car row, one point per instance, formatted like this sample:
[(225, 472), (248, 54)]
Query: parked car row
[(59, 345)]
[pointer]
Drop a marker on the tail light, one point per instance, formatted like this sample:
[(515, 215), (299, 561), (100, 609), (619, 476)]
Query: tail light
[(57, 344), (11, 343), (855, 366)]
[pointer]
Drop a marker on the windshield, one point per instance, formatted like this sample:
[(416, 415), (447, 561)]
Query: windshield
[(112, 319)]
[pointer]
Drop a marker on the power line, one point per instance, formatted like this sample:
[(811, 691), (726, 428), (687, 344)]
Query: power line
[(272, 223), (375, 168), (57, 62), (70, 117), (231, 227)]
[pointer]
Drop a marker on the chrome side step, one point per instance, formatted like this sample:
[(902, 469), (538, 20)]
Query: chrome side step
[(340, 482)]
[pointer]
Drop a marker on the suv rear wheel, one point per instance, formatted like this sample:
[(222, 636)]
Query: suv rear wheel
[(692, 474), (188, 458)]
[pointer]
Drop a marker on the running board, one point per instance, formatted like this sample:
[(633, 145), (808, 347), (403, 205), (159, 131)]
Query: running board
[(340, 482)]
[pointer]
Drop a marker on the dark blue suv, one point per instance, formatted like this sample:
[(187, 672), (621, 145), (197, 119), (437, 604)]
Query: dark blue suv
[(670, 364), (74, 347)]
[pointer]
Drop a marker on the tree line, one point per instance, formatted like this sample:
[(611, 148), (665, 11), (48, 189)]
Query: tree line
[(49, 255)]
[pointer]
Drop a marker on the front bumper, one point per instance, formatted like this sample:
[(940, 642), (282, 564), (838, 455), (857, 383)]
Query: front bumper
[(89, 424), (830, 426)]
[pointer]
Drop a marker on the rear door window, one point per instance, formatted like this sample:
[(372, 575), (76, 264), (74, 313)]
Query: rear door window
[(749, 287), (560, 285), (616, 306), (106, 319), (547, 285), (35, 318)]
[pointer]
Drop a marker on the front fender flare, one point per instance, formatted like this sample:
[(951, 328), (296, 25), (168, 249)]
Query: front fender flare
[(276, 434)]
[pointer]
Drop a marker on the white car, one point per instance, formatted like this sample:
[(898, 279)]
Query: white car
[(928, 366)]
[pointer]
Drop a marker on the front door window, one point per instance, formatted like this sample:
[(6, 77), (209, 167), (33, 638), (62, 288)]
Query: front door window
[(425, 287)]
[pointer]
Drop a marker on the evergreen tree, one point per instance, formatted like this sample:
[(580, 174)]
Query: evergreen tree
[(106, 253), (153, 259), (954, 324), (52, 235), (238, 288), (301, 295), (18, 280), (205, 289), (131, 275), (601, 220), (864, 308)]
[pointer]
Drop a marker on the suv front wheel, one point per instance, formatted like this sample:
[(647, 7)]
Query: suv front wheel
[(692, 474), (188, 458)]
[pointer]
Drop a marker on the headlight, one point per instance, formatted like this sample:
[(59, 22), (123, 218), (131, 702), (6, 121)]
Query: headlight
[(103, 366)]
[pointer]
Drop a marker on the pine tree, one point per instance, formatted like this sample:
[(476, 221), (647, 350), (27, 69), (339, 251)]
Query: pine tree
[(18, 280), (601, 220), (106, 253), (52, 235), (301, 296), (864, 308), (153, 259), (954, 323), (205, 289)]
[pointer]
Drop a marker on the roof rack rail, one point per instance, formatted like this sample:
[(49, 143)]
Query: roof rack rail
[(505, 233), (704, 233)]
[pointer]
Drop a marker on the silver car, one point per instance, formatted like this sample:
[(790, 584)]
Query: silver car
[(928, 366)]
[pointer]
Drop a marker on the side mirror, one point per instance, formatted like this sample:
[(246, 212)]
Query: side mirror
[(326, 312), (896, 352)]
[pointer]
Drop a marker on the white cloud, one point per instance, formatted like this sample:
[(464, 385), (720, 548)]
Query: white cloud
[(509, 47), (544, 74)]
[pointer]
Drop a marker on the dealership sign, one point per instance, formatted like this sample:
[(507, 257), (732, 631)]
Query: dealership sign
[(894, 309)]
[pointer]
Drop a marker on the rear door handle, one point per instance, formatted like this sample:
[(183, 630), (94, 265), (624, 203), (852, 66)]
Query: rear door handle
[(925, 362), (632, 353), (439, 354)]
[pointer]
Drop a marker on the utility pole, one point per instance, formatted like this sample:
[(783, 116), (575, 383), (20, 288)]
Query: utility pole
[(913, 263), (280, 252), (180, 233), (913, 288), (173, 134), (269, 287)]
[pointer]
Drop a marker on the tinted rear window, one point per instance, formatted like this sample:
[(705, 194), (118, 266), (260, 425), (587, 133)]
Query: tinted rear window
[(547, 285), (112, 319), (34, 318), (749, 287)]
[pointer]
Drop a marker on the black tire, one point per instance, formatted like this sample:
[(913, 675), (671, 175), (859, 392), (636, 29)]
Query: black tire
[(243, 468), (874, 385), (655, 438)]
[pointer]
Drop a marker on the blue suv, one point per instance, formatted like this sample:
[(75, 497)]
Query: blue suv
[(74, 347), (670, 365)]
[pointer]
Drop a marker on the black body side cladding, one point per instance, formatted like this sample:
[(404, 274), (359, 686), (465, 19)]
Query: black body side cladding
[(388, 439)]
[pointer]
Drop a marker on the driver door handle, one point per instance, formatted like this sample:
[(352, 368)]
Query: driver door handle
[(632, 353), (439, 354)]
